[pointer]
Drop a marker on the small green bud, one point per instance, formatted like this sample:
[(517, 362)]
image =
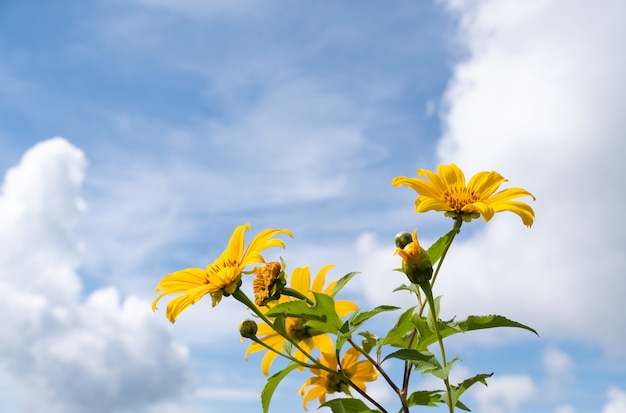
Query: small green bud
[(403, 239), (415, 261), (248, 328)]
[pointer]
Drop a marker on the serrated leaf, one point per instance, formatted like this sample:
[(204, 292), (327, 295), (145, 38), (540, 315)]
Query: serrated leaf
[(427, 336), (436, 250), (479, 322), (444, 372), (272, 383), (321, 316), (397, 335), (421, 360), (425, 398), (279, 325), (412, 288), (342, 283), (457, 391), (370, 340), (356, 320), (348, 406)]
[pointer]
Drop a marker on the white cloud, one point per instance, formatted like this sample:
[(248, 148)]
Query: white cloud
[(101, 354), (617, 401), (537, 99), (505, 393), (559, 368)]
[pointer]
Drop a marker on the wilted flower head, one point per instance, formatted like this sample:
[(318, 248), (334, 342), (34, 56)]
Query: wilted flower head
[(268, 283), (295, 327)]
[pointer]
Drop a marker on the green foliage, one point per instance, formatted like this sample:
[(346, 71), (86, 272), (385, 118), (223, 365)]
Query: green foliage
[(421, 360), (435, 252), (348, 406), (399, 334), (321, 316), (342, 283), (370, 340), (425, 398), (272, 383), (458, 390), (356, 320)]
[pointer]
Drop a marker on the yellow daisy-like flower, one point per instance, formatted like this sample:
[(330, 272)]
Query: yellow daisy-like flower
[(447, 191), (221, 277), (306, 338), (325, 382)]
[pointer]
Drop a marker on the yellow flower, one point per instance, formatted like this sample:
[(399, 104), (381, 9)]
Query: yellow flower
[(304, 336), (358, 372), (447, 191), (415, 261), (221, 277)]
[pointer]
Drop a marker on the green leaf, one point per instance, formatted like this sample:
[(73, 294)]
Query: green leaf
[(348, 406), (342, 283), (412, 288), (356, 320), (370, 340), (272, 383), (422, 360), (436, 250), (457, 391), (279, 325), (479, 322), (398, 335), (427, 336), (321, 316), (444, 372), (425, 398)]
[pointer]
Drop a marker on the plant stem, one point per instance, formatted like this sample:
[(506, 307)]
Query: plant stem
[(433, 313), (399, 392), (456, 228)]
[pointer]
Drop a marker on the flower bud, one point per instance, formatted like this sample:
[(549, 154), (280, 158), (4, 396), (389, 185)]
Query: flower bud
[(402, 239), (415, 261), (248, 328)]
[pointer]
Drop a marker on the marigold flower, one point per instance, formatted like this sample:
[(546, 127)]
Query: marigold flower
[(415, 261), (447, 191), (324, 382), (268, 283), (306, 338), (222, 277)]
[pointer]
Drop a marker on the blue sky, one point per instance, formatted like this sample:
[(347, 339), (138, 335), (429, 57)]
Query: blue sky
[(135, 135)]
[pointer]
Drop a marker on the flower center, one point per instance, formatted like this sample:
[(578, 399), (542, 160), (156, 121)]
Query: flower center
[(457, 197), (296, 329), (335, 383)]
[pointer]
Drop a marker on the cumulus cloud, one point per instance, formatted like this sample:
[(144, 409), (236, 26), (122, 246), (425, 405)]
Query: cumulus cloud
[(505, 393), (101, 353), (537, 99), (617, 401)]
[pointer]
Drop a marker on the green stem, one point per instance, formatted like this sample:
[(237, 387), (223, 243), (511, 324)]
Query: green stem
[(354, 386), (240, 296), (400, 392), (456, 228), (297, 294), (431, 304)]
